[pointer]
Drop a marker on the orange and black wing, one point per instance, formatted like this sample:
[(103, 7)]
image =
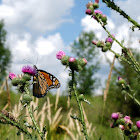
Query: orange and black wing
[(43, 81)]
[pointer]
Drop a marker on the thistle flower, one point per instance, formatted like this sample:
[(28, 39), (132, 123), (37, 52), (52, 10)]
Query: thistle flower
[(72, 59), (60, 54), (138, 124), (121, 127), (115, 116), (97, 1), (85, 61), (12, 75), (94, 42), (121, 81), (127, 117), (109, 40), (98, 12), (28, 69), (88, 11)]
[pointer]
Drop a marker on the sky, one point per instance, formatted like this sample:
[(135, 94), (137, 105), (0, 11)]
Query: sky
[(38, 29)]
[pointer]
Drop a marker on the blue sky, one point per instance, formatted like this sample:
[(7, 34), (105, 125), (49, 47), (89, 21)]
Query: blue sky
[(39, 29)]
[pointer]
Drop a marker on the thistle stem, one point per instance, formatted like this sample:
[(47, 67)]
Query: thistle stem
[(80, 107), (32, 117), (35, 123), (131, 96), (14, 123)]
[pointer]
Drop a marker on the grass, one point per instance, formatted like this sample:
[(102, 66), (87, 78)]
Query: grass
[(56, 116)]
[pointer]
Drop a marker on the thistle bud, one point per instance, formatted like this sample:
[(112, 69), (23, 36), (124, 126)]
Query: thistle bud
[(104, 18), (26, 77), (15, 81), (95, 5), (27, 98), (65, 60)]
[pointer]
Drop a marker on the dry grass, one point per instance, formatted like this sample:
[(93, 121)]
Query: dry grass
[(72, 127)]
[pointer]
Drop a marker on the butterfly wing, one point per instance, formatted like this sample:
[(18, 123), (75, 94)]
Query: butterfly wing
[(44, 81)]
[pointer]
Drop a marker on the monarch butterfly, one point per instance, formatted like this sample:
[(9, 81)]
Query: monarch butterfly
[(43, 82)]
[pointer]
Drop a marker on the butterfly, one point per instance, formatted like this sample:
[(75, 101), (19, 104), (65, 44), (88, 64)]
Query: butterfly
[(43, 82)]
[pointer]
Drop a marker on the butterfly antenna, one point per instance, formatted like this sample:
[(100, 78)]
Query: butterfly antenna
[(36, 61), (27, 61)]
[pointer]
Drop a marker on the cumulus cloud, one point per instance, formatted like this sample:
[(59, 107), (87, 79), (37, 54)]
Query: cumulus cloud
[(118, 26), (35, 15)]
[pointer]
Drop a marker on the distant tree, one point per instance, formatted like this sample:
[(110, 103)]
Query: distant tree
[(83, 48), (5, 54), (115, 98)]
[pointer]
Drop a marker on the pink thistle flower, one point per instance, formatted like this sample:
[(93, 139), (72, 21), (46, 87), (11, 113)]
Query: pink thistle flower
[(72, 59), (60, 54), (120, 78), (85, 60), (88, 12), (113, 36), (138, 124), (29, 69), (115, 116), (127, 117), (97, 1), (94, 42), (98, 11), (127, 120), (109, 40), (12, 75), (121, 127)]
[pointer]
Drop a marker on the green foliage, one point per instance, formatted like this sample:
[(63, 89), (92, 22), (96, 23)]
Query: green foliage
[(83, 48), (5, 54), (121, 102)]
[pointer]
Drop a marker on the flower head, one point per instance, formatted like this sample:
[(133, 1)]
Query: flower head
[(121, 127), (127, 119), (98, 11), (72, 59), (138, 124), (115, 116), (88, 11), (97, 1), (85, 60), (113, 36), (60, 54), (94, 42), (109, 40), (12, 75), (29, 69), (120, 78)]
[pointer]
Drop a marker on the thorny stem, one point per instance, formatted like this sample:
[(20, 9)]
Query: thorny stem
[(32, 117), (8, 121), (131, 96), (135, 64), (80, 107), (35, 123), (113, 6)]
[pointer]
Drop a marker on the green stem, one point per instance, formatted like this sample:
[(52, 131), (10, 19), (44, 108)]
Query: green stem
[(80, 107), (121, 57), (134, 63), (113, 6), (133, 98), (32, 117), (35, 123), (14, 123)]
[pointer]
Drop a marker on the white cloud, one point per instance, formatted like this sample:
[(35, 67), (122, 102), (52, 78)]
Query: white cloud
[(120, 28), (35, 15)]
